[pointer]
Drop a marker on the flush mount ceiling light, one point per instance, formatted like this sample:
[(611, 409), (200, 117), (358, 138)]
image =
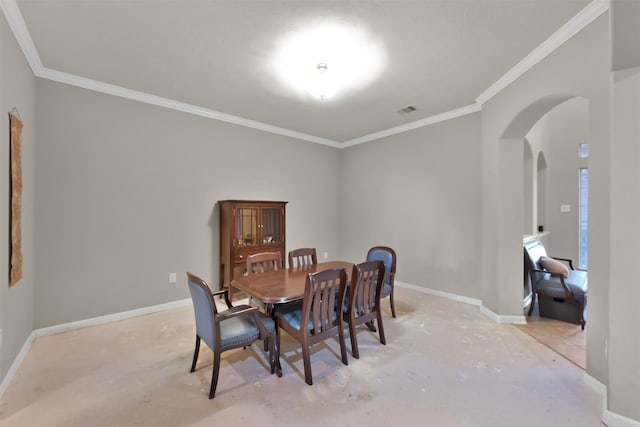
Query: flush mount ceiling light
[(325, 60), (322, 86)]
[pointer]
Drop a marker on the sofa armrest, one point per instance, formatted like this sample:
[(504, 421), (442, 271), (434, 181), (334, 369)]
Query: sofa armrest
[(560, 276), (567, 260)]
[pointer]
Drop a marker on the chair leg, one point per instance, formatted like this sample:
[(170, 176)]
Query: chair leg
[(393, 306), (383, 340), (306, 359), (533, 302), (268, 309), (343, 344), (214, 374), (272, 360), (354, 340), (581, 305), (276, 353), (195, 354)]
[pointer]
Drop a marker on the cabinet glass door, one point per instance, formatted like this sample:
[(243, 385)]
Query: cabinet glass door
[(246, 227), (271, 226)]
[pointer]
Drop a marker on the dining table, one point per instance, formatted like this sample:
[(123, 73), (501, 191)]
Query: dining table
[(282, 286)]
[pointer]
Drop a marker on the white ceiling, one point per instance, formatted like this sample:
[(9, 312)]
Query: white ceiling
[(212, 57)]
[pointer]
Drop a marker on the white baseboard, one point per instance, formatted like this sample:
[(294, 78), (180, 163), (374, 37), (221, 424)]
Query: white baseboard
[(499, 318), (65, 327), (13, 369), (611, 419), (447, 295), (518, 320)]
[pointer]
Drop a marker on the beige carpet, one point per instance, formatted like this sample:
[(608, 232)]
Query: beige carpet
[(445, 364)]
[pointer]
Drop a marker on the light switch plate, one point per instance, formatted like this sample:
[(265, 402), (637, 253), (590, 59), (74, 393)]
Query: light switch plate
[(565, 208)]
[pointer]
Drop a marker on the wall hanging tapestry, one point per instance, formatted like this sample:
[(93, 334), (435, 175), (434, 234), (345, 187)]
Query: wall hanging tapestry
[(15, 155)]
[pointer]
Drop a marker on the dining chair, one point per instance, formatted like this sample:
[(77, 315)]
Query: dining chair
[(235, 327), (302, 257), (388, 257), (263, 262), (362, 302), (317, 316)]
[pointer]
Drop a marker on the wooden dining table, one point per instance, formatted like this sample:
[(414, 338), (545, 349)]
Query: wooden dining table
[(277, 287)]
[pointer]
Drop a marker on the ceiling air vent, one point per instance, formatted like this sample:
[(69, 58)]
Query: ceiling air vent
[(406, 110)]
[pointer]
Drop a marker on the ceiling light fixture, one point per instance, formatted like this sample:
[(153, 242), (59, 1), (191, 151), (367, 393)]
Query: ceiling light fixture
[(327, 59), (321, 88)]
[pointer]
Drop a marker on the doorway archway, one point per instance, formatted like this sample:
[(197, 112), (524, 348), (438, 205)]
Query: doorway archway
[(550, 170)]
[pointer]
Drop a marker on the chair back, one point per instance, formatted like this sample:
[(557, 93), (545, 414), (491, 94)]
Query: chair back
[(366, 288), (388, 257), (323, 298), (263, 262), (535, 250), (302, 257), (204, 309)]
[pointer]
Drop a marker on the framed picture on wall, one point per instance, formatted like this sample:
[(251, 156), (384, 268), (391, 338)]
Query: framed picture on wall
[(15, 194)]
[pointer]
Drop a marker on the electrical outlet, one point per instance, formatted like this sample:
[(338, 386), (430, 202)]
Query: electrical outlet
[(172, 278), (326, 255)]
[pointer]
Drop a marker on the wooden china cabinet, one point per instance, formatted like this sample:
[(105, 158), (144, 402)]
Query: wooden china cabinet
[(248, 227)]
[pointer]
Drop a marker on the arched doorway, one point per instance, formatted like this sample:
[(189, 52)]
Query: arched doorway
[(551, 169)]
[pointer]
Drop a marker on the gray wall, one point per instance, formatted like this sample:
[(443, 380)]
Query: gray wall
[(624, 350), (580, 67), (127, 194), (17, 89), (418, 192)]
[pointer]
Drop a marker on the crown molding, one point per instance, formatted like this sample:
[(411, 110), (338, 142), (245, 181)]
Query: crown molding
[(159, 101), (19, 27), (414, 125), (23, 37), (586, 16)]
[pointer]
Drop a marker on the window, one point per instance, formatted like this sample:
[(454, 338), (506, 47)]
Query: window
[(584, 150), (584, 203)]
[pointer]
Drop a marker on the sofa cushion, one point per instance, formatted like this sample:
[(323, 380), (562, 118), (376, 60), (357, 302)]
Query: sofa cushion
[(554, 266)]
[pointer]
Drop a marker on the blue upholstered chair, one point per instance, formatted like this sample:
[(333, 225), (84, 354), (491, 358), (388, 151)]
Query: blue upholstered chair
[(233, 328), (388, 257), (362, 303), (317, 316), (561, 291)]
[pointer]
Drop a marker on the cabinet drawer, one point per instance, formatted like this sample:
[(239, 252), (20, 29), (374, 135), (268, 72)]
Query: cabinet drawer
[(240, 258)]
